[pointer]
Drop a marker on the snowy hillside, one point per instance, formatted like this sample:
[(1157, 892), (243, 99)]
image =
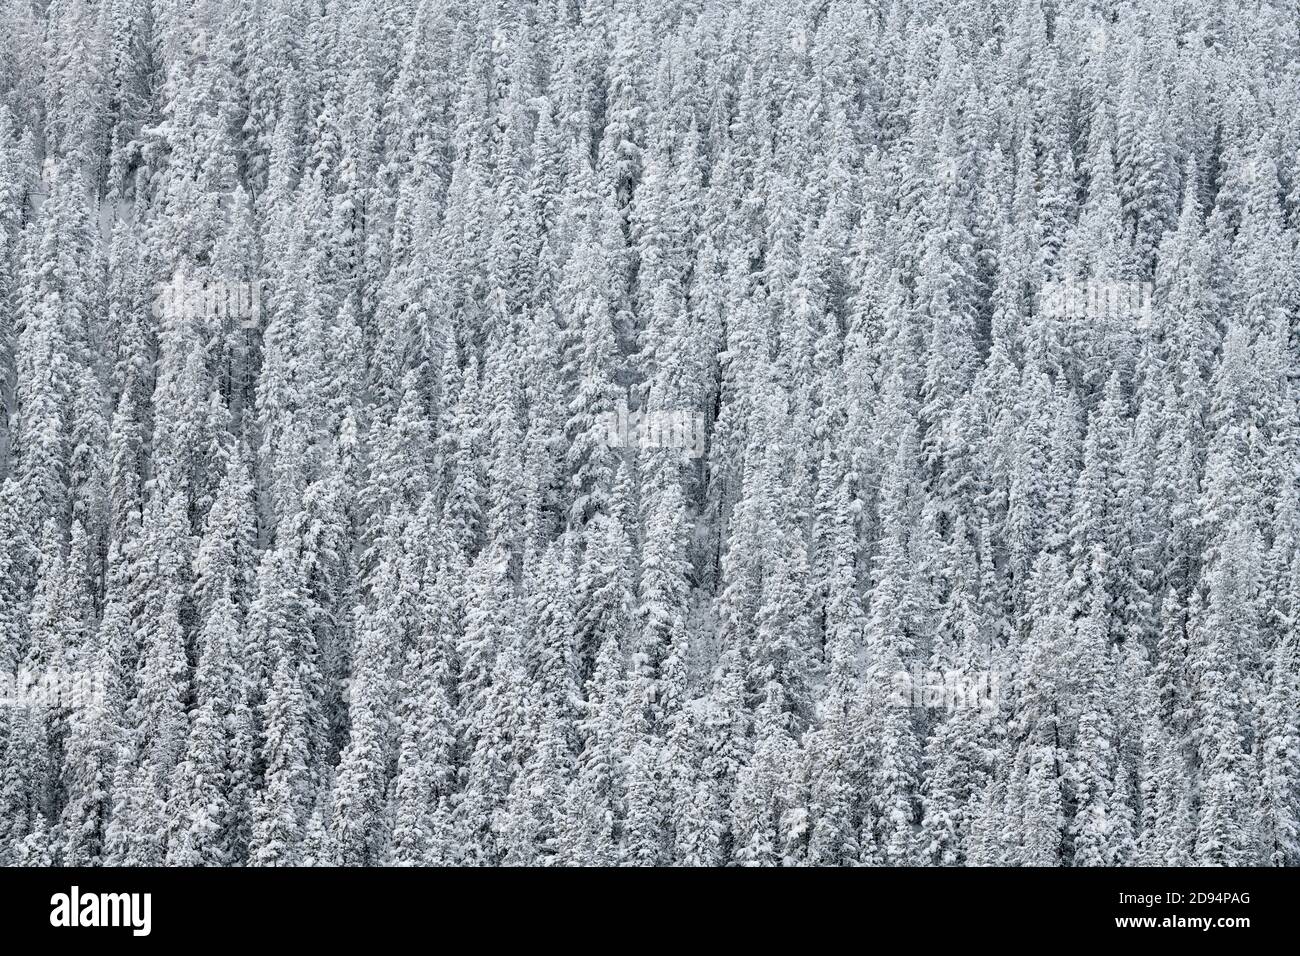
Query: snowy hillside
[(694, 432)]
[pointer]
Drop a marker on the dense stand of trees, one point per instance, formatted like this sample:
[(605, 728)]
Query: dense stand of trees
[(336, 536)]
